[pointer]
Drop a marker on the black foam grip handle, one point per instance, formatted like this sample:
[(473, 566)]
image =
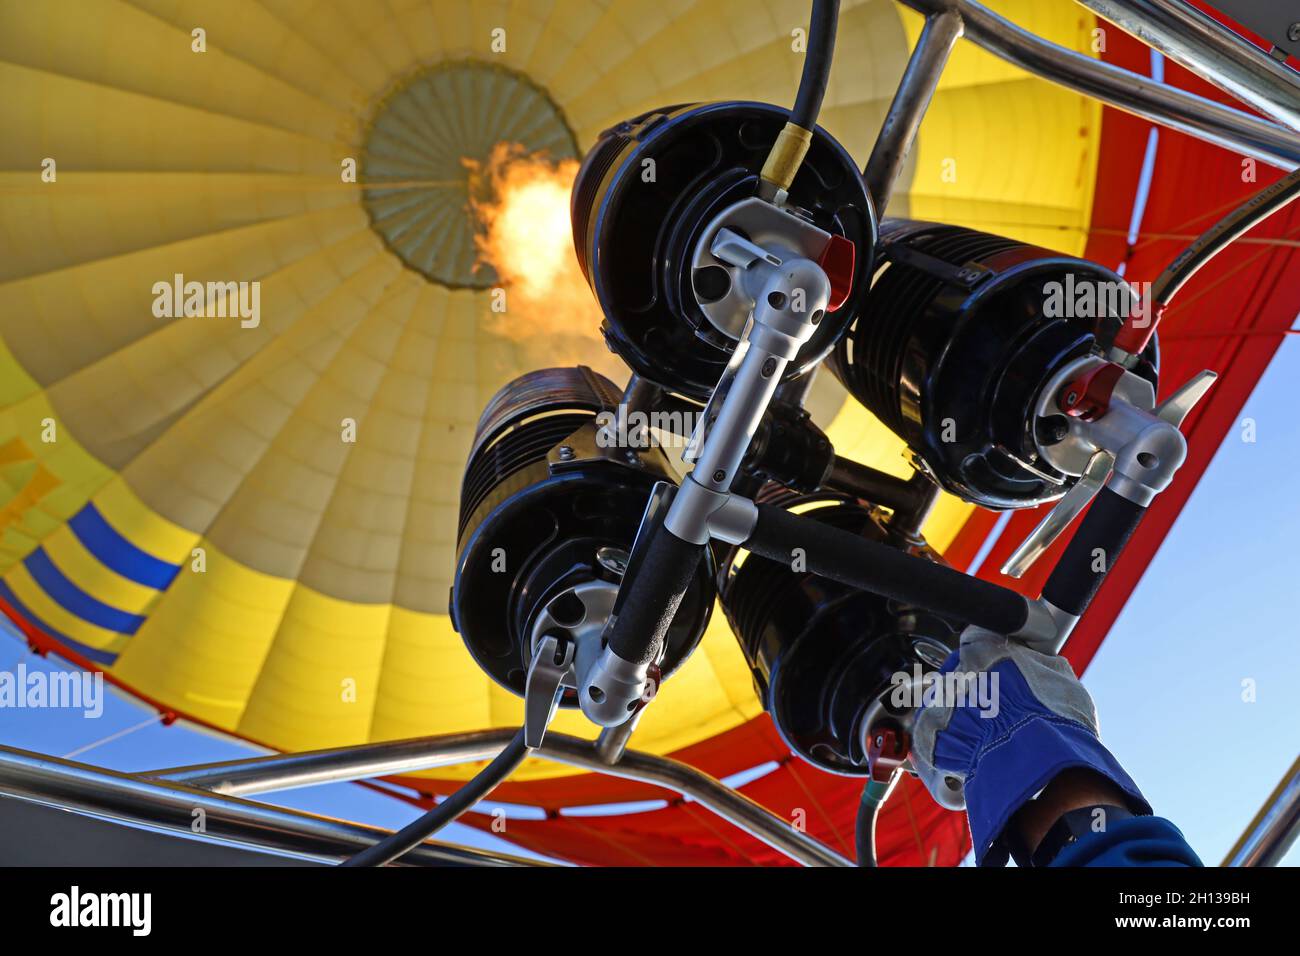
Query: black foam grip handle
[(655, 587), (880, 569), (1102, 535)]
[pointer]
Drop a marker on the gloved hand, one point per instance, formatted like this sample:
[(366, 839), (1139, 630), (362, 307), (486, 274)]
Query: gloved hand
[(1000, 722)]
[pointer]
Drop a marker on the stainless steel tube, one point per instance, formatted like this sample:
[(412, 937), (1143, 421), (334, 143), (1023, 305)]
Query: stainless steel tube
[(1123, 89), (1275, 828), (915, 90), (1193, 40), (287, 771), (51, 781), (730, 805), (261, 774)]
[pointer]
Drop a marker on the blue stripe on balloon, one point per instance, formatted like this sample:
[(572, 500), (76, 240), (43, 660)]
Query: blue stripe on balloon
[(103, 541), (76, 601), (85, 650)]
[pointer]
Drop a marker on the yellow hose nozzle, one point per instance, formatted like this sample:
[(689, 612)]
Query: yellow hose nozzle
[(786, 156)]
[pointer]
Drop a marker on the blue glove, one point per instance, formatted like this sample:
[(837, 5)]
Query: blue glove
[(999, 723)]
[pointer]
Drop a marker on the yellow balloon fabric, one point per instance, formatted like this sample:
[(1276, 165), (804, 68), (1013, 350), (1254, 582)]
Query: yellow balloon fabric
[(250, 517)]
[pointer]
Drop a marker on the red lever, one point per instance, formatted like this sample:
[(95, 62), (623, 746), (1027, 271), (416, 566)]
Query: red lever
[(837, 262), (886, 751), (1132, 339), (1088, 396)]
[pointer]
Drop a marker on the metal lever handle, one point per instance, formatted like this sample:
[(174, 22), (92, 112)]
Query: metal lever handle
[(1179, 405), (734, 249), (552, 663), (1059, 518), (1124, 439)]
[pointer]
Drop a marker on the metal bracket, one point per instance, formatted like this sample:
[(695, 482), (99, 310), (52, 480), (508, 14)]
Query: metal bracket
[(585, 446), (966, 276)]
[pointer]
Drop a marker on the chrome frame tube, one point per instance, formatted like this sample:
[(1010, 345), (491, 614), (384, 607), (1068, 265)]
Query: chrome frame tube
[(1275, 828), (731, 805), (940, 34), (1132, 92), (276, 772), (165, 805), (342, 764), (1195, 41)]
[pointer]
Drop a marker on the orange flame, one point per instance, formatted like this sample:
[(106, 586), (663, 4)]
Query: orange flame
[(522, 203)]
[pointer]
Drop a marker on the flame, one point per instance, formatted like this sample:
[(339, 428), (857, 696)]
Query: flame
[(521, 201)]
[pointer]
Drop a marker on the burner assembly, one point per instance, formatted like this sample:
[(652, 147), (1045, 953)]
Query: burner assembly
[(549, 515), (733, 248)]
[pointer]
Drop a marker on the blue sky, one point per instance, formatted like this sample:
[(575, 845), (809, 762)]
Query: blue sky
[(1217, 606)]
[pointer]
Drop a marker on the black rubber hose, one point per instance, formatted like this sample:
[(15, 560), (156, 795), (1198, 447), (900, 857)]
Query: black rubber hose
[(413, 834), (816, 64), (1219, 236), (874, 795), (655, 585), (878, 568), (864, 833), (1092, 552)]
